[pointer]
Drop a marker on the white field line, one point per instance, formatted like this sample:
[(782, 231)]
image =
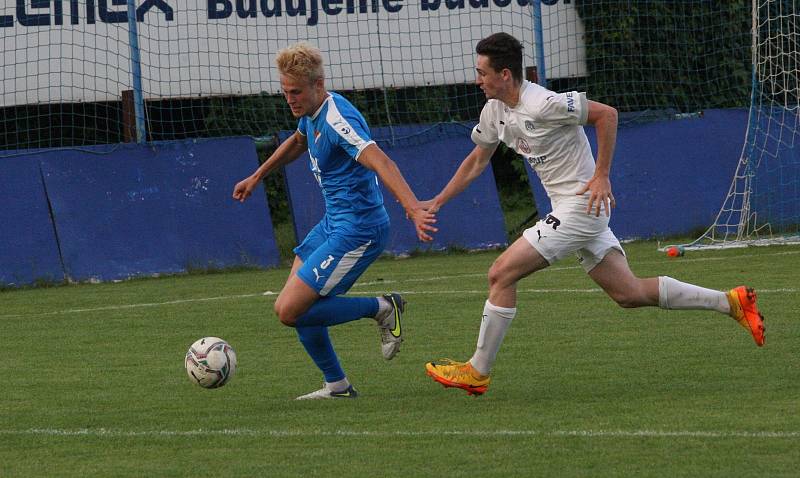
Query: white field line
[(243, 432), (367, 293), (564, 268), (131, 306), (402, 281)]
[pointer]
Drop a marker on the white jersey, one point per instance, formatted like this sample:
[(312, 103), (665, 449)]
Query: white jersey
[(546, 129)]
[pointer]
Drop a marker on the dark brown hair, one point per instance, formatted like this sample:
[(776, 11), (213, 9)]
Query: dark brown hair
[(503, 51)]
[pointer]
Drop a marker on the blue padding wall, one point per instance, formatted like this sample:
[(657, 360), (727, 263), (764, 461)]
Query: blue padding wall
[(776, 179), (669, 177), (427, 156), (135, 210), (28, 248)]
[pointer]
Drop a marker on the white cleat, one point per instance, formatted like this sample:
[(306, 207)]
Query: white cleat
[(326, 392), (389, 325)]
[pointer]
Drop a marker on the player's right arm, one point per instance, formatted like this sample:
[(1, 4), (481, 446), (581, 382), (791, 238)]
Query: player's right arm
[(288, 151), (485, 137), (472, 167), (604, 118)]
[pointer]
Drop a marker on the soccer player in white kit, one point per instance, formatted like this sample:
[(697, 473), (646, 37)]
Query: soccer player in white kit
[(546, 129)]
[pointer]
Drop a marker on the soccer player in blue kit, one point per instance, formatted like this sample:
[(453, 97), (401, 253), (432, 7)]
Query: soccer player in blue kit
[(355, 229)]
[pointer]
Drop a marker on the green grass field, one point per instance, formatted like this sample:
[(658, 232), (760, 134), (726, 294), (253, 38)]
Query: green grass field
[(94, 381)]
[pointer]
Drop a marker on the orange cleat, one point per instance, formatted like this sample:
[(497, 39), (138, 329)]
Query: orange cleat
[(744, 309), (458, 374)]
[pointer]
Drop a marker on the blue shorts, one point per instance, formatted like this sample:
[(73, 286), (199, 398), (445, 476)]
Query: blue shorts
[(334, 259)]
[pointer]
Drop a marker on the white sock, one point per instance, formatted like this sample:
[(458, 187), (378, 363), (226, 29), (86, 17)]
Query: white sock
[(338, 386), (673, 294), (494, 325)]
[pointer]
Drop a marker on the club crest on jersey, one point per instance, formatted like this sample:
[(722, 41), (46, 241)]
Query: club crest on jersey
[(523, 146), (529, 125)]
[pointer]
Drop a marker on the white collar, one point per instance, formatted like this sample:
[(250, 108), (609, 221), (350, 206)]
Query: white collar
[(316, 113)]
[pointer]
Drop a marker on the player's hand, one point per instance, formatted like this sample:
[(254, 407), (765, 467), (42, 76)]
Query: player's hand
[(600, 195), (431, 205), (244, 188), (424, 221)]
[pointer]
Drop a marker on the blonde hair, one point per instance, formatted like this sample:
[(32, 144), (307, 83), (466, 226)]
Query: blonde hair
[(301, 61)]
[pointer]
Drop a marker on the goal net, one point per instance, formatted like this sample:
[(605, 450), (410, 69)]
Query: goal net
[(75, 71), (757, 209), (87, 72)]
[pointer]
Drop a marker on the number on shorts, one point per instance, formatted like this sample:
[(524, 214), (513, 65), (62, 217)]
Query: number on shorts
[(553, 220)]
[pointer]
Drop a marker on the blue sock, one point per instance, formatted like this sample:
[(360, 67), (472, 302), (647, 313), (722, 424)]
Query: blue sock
[(318, 345), (329, 311)]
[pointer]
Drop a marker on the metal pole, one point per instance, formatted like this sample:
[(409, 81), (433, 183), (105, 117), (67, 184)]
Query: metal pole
[(539, 45), (136, 72)]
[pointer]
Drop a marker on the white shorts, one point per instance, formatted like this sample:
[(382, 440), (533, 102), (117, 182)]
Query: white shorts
[(569, 229)]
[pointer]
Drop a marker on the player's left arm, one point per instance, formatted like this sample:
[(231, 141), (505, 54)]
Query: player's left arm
[(372, 157), (604, 119)]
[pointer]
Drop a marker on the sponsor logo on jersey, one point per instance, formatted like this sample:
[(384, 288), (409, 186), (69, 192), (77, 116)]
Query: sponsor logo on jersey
[(341, 125), (523, 146), (535, 160), (570, 103)]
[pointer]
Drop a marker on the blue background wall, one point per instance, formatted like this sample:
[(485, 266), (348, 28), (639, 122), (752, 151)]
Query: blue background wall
[(669, 177), (132, 210), (127, 210), (28, 248), (427, 156), (776, 161)]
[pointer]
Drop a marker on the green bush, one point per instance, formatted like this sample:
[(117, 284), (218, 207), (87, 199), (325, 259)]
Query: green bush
[(681, 55)]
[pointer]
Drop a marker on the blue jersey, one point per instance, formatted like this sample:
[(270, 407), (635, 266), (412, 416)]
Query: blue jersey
[(336, 135)]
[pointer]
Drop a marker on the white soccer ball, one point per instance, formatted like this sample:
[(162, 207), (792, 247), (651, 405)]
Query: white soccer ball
[(210, 362)]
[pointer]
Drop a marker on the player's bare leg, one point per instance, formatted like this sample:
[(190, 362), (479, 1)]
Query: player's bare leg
[(295, 298), (517, 262), (616, 278)]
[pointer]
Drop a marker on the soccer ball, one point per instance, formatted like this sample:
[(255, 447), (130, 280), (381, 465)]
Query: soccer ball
[(210, 362)]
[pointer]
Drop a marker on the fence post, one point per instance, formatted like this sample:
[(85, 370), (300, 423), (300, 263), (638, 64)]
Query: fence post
[(128, 117), (539, 42), (136, 72)]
